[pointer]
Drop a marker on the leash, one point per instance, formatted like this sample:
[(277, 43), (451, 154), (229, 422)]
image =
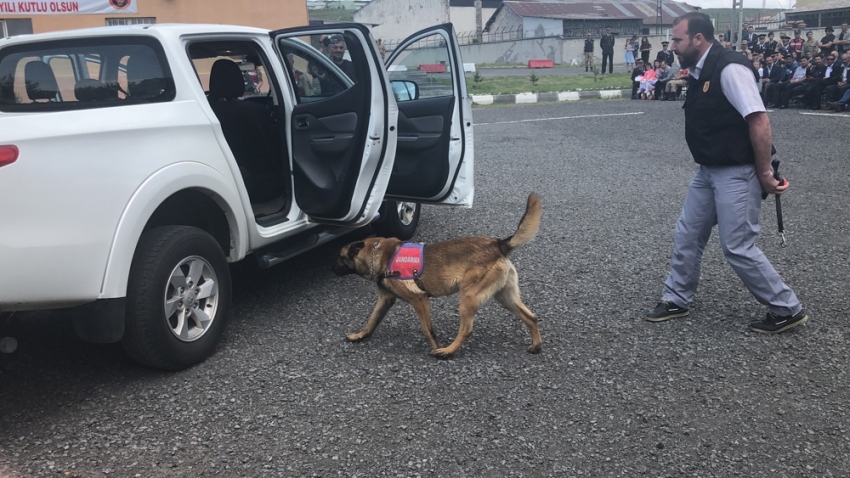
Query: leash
[(779, 223)]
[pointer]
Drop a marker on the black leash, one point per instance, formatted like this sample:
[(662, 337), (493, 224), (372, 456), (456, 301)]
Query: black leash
[(781, 226)]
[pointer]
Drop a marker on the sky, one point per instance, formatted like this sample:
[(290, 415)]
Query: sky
[(747, 3)]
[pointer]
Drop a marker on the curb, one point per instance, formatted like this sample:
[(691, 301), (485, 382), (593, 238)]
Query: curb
[(552, 96)]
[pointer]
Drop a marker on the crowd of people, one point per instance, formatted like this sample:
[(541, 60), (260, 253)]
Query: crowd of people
[(792, 71)]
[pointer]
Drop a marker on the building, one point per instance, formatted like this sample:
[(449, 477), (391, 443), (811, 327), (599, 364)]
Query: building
[(831, 13), (21, 17), (577, 18), (393, 21)]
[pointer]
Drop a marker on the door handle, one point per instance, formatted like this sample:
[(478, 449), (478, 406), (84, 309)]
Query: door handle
[(302, 122)]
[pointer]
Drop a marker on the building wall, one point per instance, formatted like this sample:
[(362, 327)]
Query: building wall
[(541, 27), (560, 51), (463, 18), (506, 20), (272, 15), (395, 20)]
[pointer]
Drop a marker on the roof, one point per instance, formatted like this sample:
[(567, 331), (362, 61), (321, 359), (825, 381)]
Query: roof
[(471, 3), (816, 7), (166, 29), (601, 9)]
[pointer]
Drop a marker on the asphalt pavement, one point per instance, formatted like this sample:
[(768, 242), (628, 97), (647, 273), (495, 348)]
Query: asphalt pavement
[(609, 395)]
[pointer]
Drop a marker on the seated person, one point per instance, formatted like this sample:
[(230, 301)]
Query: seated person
[(675, 86), (797, 85), (637, 72), (647, 83), (665, 75), (836, 91), (832, 74)]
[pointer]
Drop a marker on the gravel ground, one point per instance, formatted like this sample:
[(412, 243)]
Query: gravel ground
[(610, 394)]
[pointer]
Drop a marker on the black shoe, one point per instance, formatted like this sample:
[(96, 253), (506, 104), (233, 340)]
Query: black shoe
[(773, 324), (666, 310), (783, 107)]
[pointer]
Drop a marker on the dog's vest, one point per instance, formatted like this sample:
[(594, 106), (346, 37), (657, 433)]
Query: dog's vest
[(408, 262)]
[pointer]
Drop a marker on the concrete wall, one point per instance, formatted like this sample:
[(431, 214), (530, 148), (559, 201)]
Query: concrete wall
[(463, 18), (514, 51), (271, 15), (562, 52), (541, 27), (395, 20)]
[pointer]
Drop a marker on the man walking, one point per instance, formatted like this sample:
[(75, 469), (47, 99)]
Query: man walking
[(728, 133), (606, 44), (588, 53)]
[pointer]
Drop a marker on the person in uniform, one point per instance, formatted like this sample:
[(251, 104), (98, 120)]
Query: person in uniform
[(797, 42), (606, 44), (770, 45), (728, 133), (760, 45), (588, 53), (665, 54)]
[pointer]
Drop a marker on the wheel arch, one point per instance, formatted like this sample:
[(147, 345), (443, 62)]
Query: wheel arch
[(190, 194)]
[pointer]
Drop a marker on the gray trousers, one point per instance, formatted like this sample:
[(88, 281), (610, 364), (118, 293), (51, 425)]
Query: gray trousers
[(730, 197)]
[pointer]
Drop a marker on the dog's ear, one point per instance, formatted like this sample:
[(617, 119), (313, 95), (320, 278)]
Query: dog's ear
[(355, 249)]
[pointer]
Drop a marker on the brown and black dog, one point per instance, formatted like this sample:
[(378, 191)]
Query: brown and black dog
[(477, 267)]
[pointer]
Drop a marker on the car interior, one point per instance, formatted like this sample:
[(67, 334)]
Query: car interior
[(241, 93)]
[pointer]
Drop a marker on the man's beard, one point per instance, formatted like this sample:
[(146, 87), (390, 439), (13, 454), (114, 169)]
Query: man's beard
[(689, 57)]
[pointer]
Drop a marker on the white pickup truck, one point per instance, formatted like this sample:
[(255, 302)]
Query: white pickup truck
[(137, 162)]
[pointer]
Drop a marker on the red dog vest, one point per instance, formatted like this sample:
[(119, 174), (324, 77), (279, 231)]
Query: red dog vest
[(408, 262)]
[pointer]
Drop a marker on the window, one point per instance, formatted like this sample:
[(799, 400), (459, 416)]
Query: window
[(427, 64), (114, 22), (252, 72), (319, 65), (85, 73), (3, 32)]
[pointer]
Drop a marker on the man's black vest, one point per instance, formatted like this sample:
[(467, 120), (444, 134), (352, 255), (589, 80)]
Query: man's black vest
[(717, 134)]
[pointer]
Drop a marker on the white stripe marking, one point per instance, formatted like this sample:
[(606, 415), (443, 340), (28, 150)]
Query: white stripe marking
[(561, 118), (833, 115)]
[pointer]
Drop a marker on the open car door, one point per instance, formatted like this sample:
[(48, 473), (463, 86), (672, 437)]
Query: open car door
[(434, 155), (342, 128)]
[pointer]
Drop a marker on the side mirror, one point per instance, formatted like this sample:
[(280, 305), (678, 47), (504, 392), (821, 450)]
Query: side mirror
[(405, 90)]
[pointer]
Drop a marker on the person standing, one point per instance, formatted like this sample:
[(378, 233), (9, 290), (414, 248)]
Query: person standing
[(771, 45), (728, 36), (728, 133), (827, 44), (843, 42), (606, 44), (629, 57), (797, 42), (645, 49), (811, 47), (665, 54), (588, 53)]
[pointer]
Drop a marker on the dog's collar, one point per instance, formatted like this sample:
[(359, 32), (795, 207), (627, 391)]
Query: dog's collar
[(372, 274)]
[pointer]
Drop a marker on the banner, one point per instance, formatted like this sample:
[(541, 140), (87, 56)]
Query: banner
[(79, 7)]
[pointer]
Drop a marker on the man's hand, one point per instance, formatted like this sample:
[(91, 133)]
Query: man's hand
[(770, 185)]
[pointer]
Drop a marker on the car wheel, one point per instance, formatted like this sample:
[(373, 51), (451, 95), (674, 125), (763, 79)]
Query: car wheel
[(178, 298), (400, 219)]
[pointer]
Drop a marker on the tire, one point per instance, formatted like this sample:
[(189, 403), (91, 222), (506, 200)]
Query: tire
[(400, 219), (175, 340)]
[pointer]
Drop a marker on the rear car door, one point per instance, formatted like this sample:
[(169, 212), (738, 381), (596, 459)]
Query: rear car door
[(342, 126), (434, 156)]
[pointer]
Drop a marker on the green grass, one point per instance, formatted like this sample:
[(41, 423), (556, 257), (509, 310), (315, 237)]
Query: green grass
[(505, 85), (331, 14)]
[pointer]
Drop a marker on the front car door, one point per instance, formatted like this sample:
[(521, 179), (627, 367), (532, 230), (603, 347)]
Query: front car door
[(434, 156), (342, 127)]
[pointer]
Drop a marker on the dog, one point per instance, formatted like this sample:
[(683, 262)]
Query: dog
[(476, 267)]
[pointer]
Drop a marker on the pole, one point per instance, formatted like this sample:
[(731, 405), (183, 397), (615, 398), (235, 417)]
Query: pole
[(738, 15)]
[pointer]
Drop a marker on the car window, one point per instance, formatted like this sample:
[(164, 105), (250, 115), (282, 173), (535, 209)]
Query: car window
[(231, 69), (319, 66), (85, 73), (426, 63)]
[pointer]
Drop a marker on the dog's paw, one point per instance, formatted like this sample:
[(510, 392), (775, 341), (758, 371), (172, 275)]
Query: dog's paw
[(535, 349), (441, 353), (355, 337)]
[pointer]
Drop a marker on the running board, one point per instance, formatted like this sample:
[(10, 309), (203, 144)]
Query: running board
[(291, 247)]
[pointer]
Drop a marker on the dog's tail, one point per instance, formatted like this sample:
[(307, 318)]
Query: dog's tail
[(527, 229)]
